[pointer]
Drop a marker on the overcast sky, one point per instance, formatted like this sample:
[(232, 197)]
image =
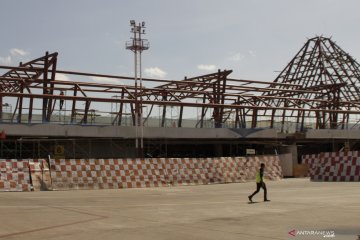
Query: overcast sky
[(187, 38)]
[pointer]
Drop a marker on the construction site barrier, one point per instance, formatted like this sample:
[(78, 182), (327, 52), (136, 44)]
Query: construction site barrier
[(65, 174), (333, 166), (40, 174), (14, 175), (157, 172)]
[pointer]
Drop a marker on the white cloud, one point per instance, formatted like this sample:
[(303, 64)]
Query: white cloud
[(206, 67), (104, 79), (155, 72), (5, 60), (252, 53), (14, 54), (18, 52), (236, 57), (63, 77)]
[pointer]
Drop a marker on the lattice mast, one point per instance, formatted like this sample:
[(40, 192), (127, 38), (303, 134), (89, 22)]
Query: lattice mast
[(137, 45)]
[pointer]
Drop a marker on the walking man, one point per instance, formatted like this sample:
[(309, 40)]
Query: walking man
[(260, 184)]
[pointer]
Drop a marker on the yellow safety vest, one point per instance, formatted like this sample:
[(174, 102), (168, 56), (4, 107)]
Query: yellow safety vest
[(258, 177)]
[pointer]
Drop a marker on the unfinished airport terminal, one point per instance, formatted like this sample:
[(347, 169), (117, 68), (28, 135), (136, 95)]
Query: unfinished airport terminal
[(310, 108)]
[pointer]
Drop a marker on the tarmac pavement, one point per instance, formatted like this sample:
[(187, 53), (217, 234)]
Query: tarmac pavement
[(308, 210)]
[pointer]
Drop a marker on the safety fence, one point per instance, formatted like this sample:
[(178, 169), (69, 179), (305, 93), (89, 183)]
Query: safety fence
[(333, 166), (66, 174), (14, 175)]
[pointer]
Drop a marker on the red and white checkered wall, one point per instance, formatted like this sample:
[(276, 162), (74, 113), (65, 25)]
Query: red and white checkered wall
[(333, 166), (14, 175), (155, 172), (129, 173)]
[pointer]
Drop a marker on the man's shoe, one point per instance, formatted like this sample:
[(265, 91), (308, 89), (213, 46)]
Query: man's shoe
[(250, 198), (266, 200)]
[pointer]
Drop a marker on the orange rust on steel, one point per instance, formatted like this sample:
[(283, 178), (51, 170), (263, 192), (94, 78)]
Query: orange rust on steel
[(158, 91), (200, 92), (63, 82), (34, 69), (262, 82), (228, 87), (169, 80), (96, 99)]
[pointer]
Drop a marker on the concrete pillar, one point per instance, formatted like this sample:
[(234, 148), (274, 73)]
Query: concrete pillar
[(291, 159), (293, 150)]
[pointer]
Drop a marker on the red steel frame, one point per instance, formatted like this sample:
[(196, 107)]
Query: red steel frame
[(320, 85)]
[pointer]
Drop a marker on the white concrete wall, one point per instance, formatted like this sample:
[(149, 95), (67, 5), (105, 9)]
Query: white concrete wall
[(56, 130), (333, 133)]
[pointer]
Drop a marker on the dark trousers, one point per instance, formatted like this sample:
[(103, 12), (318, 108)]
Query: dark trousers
[(258, 186)]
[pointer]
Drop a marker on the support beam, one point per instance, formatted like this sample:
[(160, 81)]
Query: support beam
[(120, 113), (86, 111), (180, 117), (1, 108), (272, 118), (20, 105), (30, 110), (163, 118), (203, 112), (73, 108)]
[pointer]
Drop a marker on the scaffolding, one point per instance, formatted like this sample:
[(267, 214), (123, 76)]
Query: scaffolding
[(319, 89)]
